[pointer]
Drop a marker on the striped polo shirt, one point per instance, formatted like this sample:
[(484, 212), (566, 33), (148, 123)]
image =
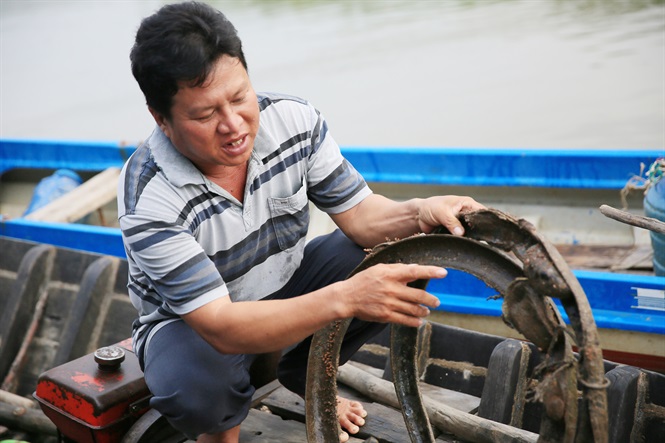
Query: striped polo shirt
[(188, 241)]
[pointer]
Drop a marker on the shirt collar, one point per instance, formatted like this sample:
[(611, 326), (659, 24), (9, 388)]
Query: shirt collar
[(176, 167), (180, 171)]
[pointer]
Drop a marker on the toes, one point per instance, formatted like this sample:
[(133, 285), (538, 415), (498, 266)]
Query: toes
[(349, 426), (343, 437), (351, 415), (353, 429)]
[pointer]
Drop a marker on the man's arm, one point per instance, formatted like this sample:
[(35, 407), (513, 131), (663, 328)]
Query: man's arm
[(378, 294), (377, 218)]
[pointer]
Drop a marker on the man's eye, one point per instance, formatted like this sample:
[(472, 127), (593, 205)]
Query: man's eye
[(205, 117)]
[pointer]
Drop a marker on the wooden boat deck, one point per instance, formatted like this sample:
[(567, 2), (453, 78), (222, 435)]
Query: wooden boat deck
[(86, 307), (278, 415)]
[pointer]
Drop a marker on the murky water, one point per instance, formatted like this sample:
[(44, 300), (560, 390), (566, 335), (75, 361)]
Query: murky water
[(532, 73)]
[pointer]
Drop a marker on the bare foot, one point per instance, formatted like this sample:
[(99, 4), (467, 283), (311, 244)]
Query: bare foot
[(230, 436), (351, 416)]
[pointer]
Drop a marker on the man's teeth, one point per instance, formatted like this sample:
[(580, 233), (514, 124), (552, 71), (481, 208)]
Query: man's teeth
[(236, 143)]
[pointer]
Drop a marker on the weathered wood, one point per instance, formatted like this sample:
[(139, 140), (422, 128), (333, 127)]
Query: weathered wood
[(265, 427), (10, 383), (26, 419), (384, 423), (607, 257), (632, 219), (16, 400), (286, 404), (504, 393), (82, 200), (446, 418), (31, 282), (458, 400), (639, 258), (264, 391), (88, 307)]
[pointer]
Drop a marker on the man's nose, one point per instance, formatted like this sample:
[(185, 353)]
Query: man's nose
[(229, 122)]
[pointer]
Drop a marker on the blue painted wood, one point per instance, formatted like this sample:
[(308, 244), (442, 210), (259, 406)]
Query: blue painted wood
[(439, 166), (612, 298), (98, 239), (501, 167), (56, 154)]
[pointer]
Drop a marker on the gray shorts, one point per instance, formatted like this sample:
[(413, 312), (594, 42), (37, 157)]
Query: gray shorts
[(201, 391)]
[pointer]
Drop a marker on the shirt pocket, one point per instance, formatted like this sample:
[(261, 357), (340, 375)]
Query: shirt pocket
[(290, 218)]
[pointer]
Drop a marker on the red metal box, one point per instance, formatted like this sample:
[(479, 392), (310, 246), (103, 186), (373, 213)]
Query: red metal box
[(95, 398)]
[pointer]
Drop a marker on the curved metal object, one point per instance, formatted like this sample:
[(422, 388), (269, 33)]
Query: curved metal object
[(549, 275), (152, 427), (403, 340), (526, 307), (493, 267), (403, 361)]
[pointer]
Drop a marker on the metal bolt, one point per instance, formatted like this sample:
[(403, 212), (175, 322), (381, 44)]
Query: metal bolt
[(109, 358)]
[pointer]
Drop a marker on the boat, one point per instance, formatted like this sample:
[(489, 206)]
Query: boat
[(69, 374), (559, 192)]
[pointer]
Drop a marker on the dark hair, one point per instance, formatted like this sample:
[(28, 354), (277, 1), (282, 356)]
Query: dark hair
[(180, 43)]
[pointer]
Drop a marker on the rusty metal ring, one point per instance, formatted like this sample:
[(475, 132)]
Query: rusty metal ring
[(525, 289), (493, 267)]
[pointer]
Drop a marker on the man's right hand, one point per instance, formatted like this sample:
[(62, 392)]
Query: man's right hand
[(380, 293)]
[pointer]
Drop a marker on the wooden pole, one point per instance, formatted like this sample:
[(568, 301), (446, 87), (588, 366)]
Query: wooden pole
[(463, 425), (16, 400), (635, 220), (26, 419)]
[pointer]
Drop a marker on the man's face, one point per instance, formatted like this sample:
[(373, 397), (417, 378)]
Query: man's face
[(214, 125)]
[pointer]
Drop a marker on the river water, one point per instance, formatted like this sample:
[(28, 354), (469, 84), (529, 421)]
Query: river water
[(567, 74)]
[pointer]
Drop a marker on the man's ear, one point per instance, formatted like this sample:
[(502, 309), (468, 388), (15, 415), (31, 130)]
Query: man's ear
[(160, 120)]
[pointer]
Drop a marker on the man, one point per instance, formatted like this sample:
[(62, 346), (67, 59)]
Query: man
[(214, 212)]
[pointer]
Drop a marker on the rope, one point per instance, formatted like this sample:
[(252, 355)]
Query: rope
[(652, 176)]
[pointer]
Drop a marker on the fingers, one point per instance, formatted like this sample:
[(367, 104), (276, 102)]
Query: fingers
[(458, 205), (381, 294), (412, 272), (444, 210), (391, 280)]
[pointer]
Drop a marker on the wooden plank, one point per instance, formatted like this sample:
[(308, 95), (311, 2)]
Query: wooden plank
[(265, 427), (382, 422), (82, 200), (458, 400), (264, 391), (639, 258), (465, 426), (606, 257), (286, 404)]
